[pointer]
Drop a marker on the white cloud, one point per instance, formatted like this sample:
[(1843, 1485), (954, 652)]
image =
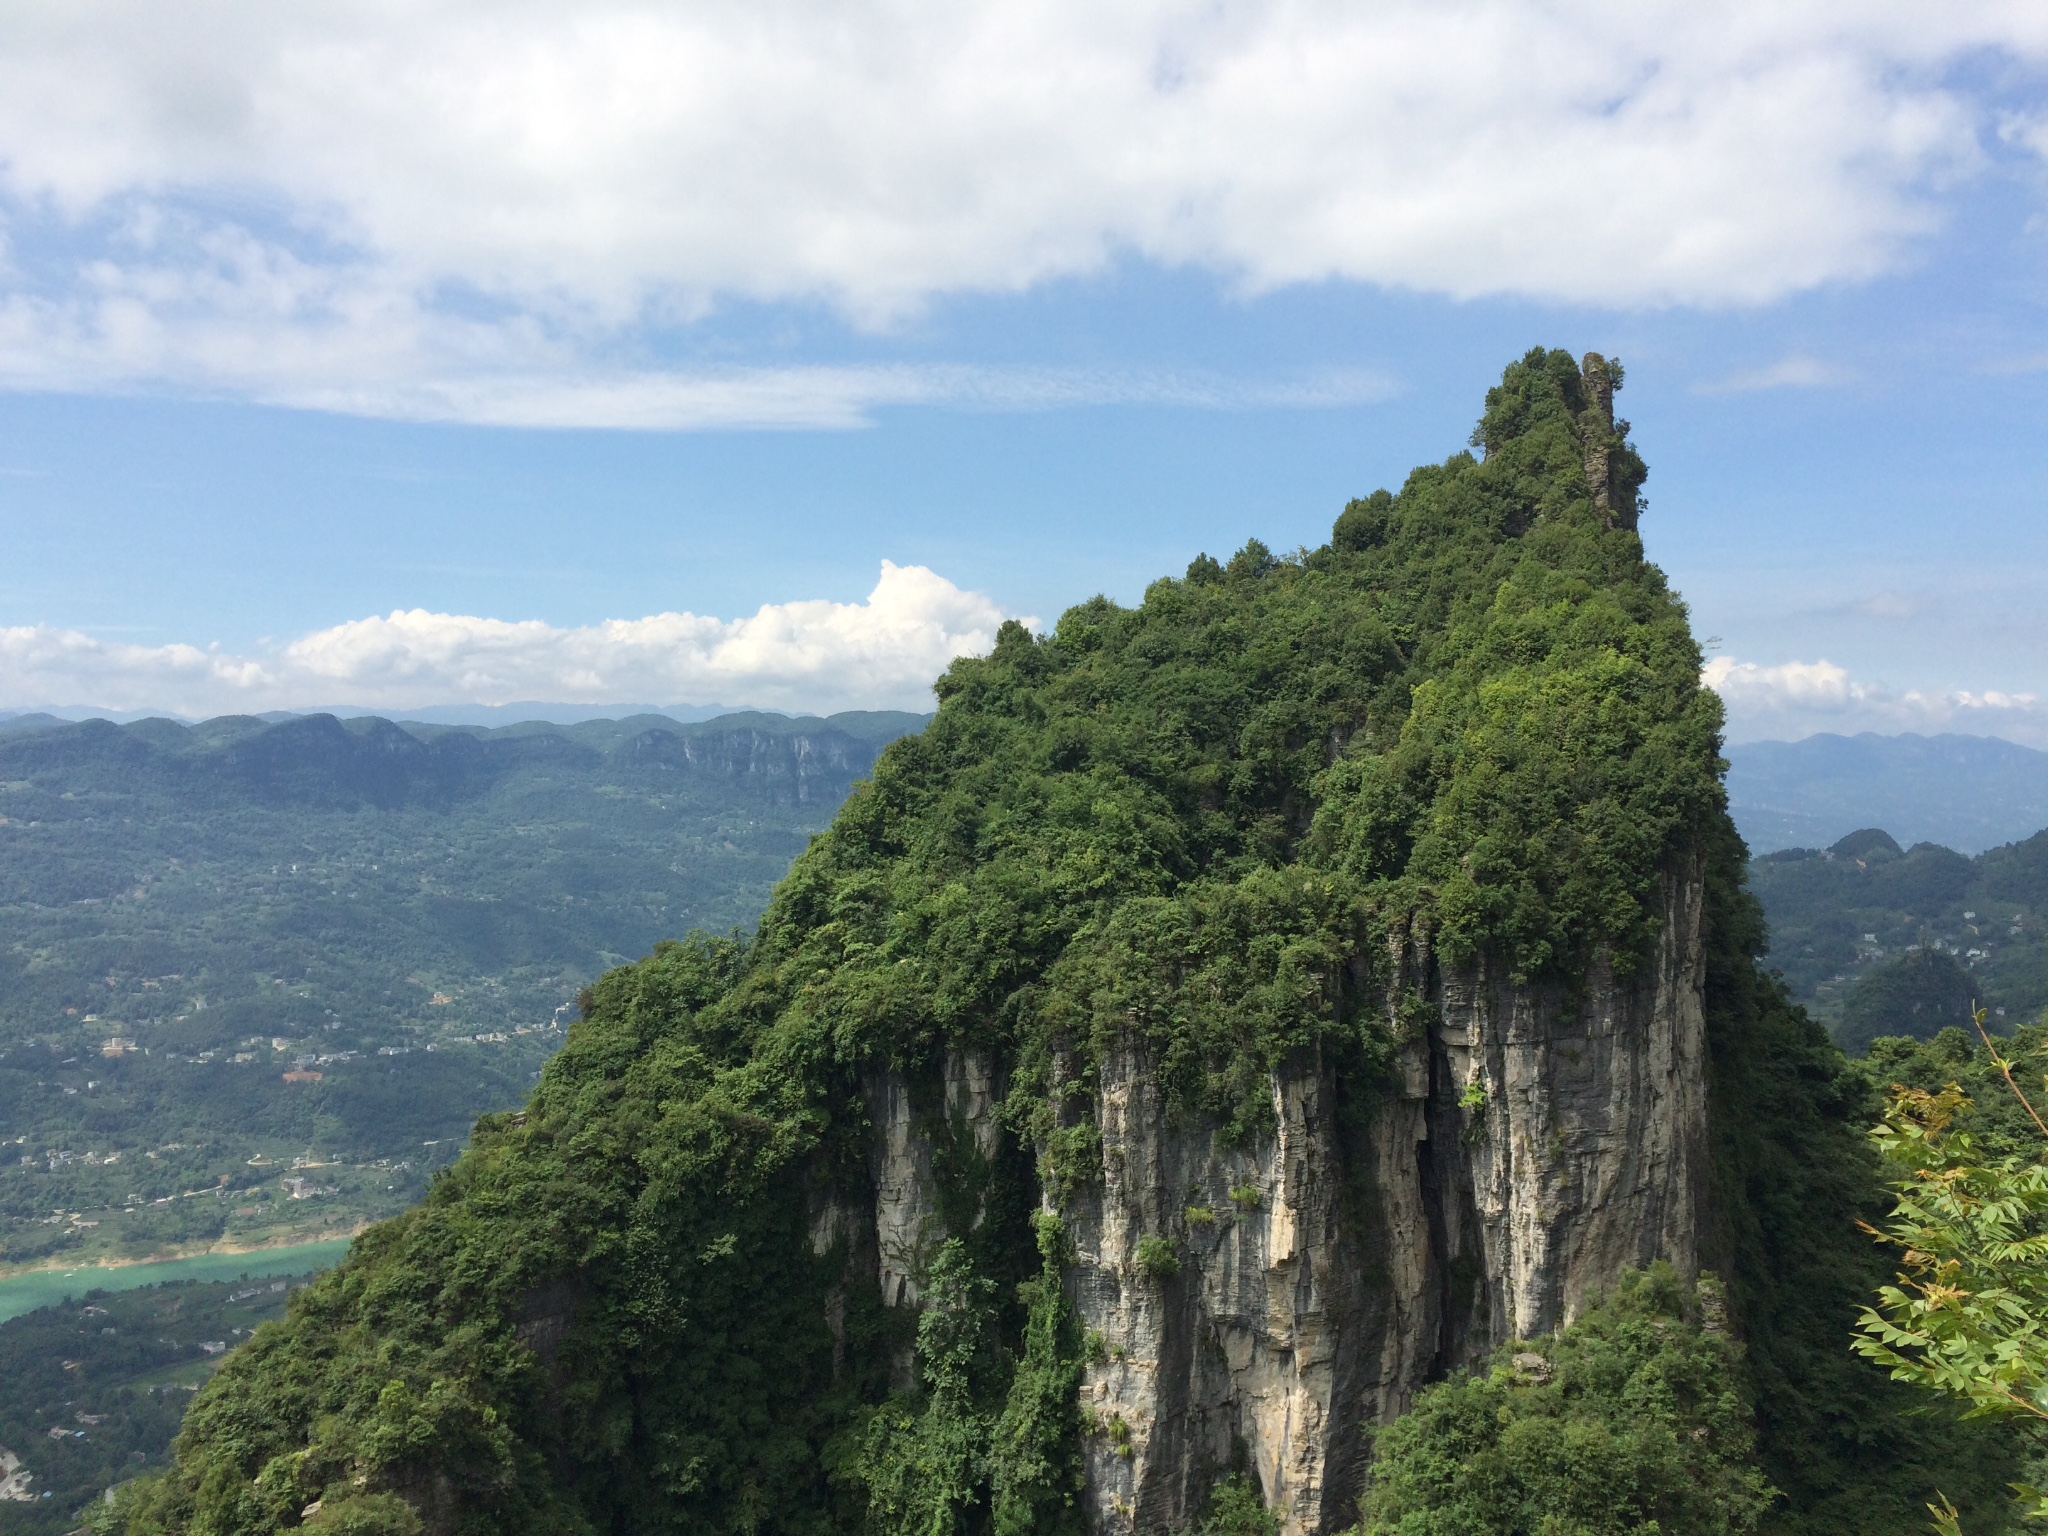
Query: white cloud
[(882, 653), (253, 320), (1797, 371), (2026, 130), (815, 397), (1801, 698), (369, 206)]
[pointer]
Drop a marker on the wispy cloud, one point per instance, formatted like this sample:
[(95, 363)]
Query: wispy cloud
[(2031, 362), (1892, 607), (487, 211), (1795, 372), (881, 653), (275, 330), (818, 397), (1799, 698)]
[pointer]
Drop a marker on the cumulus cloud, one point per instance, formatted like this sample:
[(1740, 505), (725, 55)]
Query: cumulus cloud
[(879, 654), (423, 208), (1801, 698)]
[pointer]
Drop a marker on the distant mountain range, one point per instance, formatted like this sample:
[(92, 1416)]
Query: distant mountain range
[(1969, 793), (318, 761), (1880, 940), (432, 714)]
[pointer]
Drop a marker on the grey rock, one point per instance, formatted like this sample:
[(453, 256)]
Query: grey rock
[(1528, 1150), (1532, 1365)]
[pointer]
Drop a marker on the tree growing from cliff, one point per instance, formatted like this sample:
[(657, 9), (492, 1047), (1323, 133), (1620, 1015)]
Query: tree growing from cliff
[(1630, 1421)]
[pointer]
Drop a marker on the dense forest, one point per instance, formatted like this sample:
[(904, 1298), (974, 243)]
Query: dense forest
[(1876, 939), (257, 978), (1206, 829)]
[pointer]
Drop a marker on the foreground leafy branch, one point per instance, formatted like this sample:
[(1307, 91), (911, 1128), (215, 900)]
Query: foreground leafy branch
[(1968, 1313)]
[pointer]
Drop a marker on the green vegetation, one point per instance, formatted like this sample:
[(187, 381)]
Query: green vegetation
[(1993, 1119), (1918, 995), (1967, 1315), (402, 915), (96, 1386), (1794, 1173), (1631, 1420), (1472, 721), (1156, 1258), (986, 1445), (1854, 928), (1235, 1509)]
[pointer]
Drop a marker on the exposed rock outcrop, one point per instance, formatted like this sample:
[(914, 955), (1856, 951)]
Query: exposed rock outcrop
[(1531, 1145), (1596, 426)]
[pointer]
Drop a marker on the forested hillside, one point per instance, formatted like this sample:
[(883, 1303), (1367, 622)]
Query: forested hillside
[(1876, 939), (1250, 824), (257, 979)]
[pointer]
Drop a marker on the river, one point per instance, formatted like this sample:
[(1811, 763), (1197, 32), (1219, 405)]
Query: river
[(24, 1293)]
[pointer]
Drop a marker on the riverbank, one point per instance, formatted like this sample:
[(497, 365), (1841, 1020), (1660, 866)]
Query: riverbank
[(304, 1236), (25, 1291)]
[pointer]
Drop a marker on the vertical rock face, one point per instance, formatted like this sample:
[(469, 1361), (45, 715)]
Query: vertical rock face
[(1294, 1294), (1250, 1351), (1585, 1149), (1597, 430)]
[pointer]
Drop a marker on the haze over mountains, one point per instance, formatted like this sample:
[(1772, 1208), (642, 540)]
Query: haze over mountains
[(433, 714), (1968, 793)]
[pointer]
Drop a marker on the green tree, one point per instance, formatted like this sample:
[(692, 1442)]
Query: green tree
[(925, 1464), (1629, 1422), (1035, 1460), (1967, 1314), (1919, 994)]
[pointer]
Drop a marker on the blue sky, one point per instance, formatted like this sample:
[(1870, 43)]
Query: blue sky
[(542, 388)]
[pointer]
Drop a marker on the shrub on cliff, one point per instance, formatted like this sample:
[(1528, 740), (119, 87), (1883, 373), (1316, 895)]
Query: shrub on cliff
[(1632, 1420)]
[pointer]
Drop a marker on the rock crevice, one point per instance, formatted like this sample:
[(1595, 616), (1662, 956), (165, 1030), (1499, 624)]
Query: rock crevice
[(1531, 1144)]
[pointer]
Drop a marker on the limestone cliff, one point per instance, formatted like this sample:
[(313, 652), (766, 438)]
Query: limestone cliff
[(1530, 1147)]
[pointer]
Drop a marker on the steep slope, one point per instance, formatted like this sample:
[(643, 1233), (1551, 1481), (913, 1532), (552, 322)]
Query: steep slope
[(1228, 1016)]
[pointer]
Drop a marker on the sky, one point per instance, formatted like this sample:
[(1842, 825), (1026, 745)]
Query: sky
[(772, 354)]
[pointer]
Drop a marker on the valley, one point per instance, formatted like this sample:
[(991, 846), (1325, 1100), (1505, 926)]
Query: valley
[(1844, 918), (257, 979)]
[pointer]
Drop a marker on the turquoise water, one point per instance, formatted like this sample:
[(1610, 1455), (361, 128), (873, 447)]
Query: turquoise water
[(24, 1293)]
